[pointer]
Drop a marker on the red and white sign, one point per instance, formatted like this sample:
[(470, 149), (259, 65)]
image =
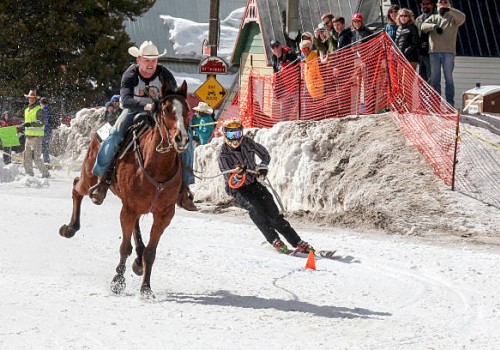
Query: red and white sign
[(213, 65), (205, 49)]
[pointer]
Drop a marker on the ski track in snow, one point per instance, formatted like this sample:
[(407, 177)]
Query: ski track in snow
[(217, 287)]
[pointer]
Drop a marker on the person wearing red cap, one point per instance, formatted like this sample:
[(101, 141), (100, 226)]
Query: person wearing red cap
[(359, 30)]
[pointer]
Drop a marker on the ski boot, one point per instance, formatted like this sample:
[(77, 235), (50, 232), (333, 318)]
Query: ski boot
[(280, 246)]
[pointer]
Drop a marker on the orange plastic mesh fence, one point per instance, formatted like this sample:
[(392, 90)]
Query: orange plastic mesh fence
[(365, 78), (478, 167)]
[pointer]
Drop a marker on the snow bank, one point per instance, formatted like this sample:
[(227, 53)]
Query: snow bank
[(359, 173)]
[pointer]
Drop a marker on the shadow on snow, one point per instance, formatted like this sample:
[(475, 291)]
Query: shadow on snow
[(226, 298)]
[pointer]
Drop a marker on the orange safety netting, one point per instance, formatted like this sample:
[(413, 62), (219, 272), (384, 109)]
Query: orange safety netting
[(365, 78)]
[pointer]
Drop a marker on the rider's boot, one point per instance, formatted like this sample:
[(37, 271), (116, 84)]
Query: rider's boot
[(97, 193), (185, 199)]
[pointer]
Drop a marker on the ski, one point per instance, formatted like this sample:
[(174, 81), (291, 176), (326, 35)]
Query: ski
[(325, 254)]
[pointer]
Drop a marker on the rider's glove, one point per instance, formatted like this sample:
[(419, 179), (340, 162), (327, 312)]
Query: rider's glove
[(262, 170)]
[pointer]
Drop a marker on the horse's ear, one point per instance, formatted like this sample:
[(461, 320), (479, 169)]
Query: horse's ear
[(166, 89), (183, 89)]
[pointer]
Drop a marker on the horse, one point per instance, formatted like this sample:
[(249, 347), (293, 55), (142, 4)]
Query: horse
[(147, 180)]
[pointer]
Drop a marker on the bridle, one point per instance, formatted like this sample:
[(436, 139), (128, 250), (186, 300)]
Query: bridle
[(160, 122)]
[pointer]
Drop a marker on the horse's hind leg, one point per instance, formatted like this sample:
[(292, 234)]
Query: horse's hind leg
[(128, 220), (139, 249), (69, 230)]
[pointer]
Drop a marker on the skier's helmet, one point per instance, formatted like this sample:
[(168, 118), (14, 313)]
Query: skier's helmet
[(233, 132)]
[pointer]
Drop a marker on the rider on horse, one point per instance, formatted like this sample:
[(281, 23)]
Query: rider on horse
[(141, 83)]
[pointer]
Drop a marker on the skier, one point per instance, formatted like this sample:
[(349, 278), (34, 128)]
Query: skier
[(239, 151)]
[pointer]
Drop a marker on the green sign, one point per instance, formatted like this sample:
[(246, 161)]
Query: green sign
[(8, 136)]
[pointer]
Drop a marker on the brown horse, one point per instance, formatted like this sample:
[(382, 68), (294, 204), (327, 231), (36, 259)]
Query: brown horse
[(148, 180)]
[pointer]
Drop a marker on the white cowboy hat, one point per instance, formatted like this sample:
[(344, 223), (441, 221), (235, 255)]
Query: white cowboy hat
[(203, 108), (32, 93), (147, 49)]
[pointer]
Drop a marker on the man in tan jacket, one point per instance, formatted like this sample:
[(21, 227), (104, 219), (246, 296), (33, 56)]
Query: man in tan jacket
[(443, 29)]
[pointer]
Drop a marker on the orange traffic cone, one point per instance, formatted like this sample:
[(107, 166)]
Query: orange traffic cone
[(311, 263)]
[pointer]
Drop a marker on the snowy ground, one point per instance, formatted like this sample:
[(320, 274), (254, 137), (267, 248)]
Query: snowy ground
[(217, 287)]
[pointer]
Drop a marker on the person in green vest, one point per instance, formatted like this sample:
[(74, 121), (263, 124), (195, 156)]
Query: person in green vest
[(34, 125), (203, 123)]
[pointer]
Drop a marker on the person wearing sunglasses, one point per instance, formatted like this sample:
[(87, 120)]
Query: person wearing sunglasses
[(324, 35), (424, 64), (443, 30), (238, 152), (407, 36), (359, 30)]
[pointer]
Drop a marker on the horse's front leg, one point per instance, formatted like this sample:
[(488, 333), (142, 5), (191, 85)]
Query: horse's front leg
[(128, 220), (160, 223), (139, 249), (70, 229), (81, 186)]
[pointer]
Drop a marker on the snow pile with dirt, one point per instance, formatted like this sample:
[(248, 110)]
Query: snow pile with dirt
[(359, 173)]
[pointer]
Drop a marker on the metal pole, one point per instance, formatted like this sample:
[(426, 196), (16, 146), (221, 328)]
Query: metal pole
[(457, 130)]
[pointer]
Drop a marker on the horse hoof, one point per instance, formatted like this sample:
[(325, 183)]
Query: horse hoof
[(137, 268), (67, 231), (147, 293), (118, 284)]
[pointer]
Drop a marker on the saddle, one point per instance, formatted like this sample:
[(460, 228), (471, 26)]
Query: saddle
[(142, 121)]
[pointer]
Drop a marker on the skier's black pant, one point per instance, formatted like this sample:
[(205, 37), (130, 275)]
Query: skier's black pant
[(265, 214)]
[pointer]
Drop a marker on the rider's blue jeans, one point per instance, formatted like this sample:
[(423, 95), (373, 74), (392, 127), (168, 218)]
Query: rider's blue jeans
[(110, 146)]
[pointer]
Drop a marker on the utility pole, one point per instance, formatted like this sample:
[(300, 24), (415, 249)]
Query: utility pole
[(213, 27)]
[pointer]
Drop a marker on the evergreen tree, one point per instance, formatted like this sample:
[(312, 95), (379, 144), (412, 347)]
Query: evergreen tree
[(74, 50)]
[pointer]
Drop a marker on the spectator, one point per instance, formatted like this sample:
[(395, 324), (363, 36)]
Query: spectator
[(344, 34), (392, 26), (282, 56), (239, 151), (47, 133), (308, 36), (203, 122), (407, 36), (359, 30), (443, 29), (141, 82), (34, 124), (305, 47), (324, 35), (312, 75), (113, 110), (6, 121), (424, 64)]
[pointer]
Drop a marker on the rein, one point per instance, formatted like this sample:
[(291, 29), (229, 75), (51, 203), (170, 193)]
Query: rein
[(160, 186)]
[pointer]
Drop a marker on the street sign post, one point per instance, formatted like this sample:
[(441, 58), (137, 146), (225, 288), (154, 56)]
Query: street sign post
[(211, 92)]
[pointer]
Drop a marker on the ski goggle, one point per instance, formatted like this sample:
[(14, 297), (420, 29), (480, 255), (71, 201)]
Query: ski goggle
[(233, 134)]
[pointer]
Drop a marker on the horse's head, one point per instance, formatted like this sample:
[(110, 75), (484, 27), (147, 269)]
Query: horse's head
[(173, 115)]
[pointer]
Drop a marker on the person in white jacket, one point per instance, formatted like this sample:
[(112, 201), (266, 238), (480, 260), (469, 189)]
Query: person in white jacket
[(443, 29)]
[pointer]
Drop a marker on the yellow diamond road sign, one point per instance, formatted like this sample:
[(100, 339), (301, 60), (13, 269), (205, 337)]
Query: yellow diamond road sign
[(211, 92)]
